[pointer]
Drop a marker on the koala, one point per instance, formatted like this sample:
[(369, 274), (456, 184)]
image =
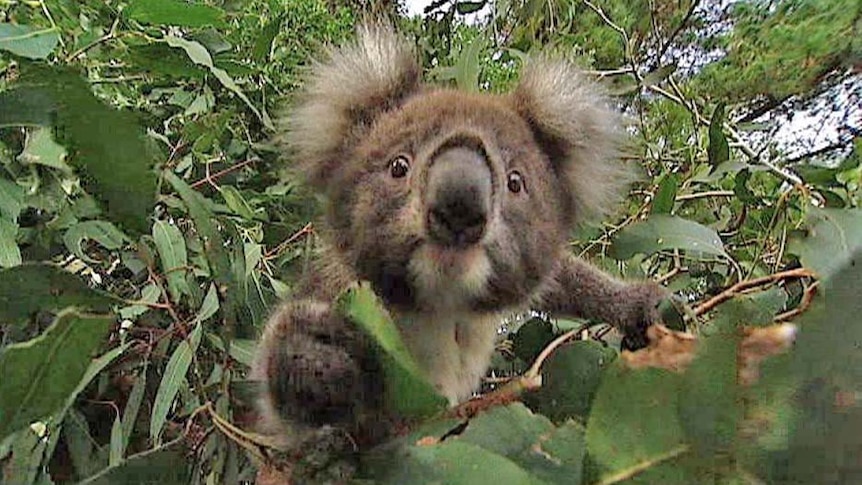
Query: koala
[(456, 207)]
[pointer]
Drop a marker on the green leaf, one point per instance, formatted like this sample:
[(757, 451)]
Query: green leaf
[(172, 251), (173, 377), (133, 406), (465, 8), (10, 254), (581, 362), (11, 199), (710, 399), (163, 466), (107, 147), (665, 195), (263, 43), (30, 288), (237, 203), (103, 232), (213, 244), (454, 462), (39, 374), (659, 75), (174, 12), (28, 41), (199, 55), (407, 391), (531, 338), (115, 455), (41, 149), (241, 350), (718, 150), (833, 236), (634, 423), (661, 232), (468, 66), (822, 377), (209, 306), (530, 441)]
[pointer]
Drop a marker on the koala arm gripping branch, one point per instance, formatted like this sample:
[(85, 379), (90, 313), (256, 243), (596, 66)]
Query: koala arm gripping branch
[(579, 289)]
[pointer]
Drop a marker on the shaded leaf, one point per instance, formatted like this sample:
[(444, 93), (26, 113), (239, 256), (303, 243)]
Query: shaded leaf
[(531, 338), (833, 236), (634, 423), (213, 244), (162, 466), (172, 252), (103, 232), (718, 150), (39, 374), (173, 377), (106, 147), (30, 288), (581, 362), (465, 8), (665, 196)]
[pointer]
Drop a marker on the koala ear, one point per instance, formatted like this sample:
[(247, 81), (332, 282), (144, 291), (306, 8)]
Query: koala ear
[(343, 95), (578, 131)]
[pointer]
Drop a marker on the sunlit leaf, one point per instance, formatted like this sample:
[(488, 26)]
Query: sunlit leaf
[(662, 232), (28, 41), (175, 12), (407, 390)]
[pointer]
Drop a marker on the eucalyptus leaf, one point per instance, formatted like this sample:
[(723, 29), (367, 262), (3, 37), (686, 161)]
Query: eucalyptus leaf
[(39, 374), (662, 232)]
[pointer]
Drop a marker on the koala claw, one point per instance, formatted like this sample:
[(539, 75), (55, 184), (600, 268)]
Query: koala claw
[(646, 298)]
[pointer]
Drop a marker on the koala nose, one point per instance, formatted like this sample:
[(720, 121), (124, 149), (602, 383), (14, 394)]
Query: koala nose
[(459, 188)]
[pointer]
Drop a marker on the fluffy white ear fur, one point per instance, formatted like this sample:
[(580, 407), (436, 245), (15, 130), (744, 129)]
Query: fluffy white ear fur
[(579, 131), (344, 92)]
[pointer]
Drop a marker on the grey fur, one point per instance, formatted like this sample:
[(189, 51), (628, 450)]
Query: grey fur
[(362, 108)]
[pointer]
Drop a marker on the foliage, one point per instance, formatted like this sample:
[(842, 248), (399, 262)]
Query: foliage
[(147, 226)]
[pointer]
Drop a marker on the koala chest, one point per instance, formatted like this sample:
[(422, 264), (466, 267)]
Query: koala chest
[(453, 351)]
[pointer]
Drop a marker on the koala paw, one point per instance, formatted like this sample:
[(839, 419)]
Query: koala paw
[(315, 369), (644, 300), (329, 455)]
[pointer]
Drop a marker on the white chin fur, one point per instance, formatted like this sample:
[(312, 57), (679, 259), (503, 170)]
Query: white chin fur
[(450, 277)]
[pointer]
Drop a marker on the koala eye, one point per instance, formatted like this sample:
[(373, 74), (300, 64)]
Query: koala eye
[(399, 166), (515, 182)]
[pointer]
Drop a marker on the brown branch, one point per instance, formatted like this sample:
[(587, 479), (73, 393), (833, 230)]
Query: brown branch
[(747, 284), (807, 298)]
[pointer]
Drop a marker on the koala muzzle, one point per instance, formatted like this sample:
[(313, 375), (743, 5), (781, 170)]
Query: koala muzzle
[(459, 197)]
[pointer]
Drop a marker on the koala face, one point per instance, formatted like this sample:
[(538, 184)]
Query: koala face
[(445, 199), (449, 200)]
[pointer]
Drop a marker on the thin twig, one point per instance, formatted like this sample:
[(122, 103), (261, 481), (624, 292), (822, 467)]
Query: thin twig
[(753, 283), (706, 194), (210, 178)]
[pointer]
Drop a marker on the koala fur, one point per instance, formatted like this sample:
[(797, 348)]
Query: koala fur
[(456, 207)]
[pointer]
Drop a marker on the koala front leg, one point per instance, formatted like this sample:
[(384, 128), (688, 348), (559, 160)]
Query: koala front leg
[(318, 380), (579, 289)]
